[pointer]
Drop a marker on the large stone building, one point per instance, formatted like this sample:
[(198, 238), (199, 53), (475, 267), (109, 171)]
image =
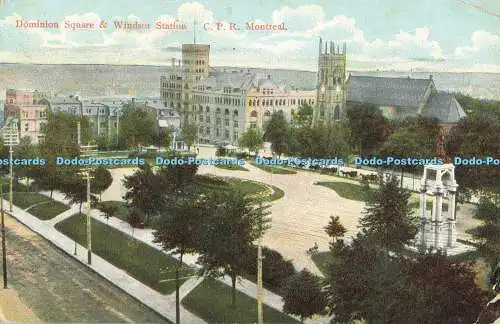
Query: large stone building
[(399, 98), (225, 103), (396, 97)]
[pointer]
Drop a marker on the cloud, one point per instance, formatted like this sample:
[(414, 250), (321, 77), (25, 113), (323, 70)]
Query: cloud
[(189, 12), (480, 40)]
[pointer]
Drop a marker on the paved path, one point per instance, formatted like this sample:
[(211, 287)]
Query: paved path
[(146, 235), (160, 303)]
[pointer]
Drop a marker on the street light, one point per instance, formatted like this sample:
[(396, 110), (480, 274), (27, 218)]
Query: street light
[(88, 150)]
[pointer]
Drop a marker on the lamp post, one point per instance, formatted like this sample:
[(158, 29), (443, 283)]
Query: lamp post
[(88, 150)]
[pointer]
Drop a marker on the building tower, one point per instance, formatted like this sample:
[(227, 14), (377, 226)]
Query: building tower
[(438, 181), (195, 62), (331, 89)]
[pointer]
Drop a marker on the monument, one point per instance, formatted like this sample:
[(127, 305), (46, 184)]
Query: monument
[(438, 183)]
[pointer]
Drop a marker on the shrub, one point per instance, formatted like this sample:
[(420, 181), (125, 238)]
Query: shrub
[(135, 219), (277, 270)]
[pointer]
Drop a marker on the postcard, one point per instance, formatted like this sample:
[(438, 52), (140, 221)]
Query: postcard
[(250, 162)]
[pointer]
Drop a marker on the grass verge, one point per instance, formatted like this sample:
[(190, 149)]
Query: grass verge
[(273, 169), (347, 190), (49, 210), (141, 261), (211, 301), (232, 167)]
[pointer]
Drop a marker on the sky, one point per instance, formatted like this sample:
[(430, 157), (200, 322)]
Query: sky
[(400, 35)]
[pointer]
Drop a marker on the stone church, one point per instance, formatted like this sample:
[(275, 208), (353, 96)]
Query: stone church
[(396, 97)]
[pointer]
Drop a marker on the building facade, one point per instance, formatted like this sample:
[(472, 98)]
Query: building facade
[(31, 121), (224, 104), (331, 88)]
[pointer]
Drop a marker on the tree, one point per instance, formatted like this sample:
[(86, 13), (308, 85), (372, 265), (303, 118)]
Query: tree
[(277, 270), (75, 190), (368, 127), (304, 116), (190, 133), (277, 132), (446, 290), (488, 234), (228, 234), (178, 229), (304, 296), (60, 140), (366, 284), (168, 140), (25, 150), (388, 217), (415, 137), (138, 126), (335, 229), (145, 191), (101, 180), (252, 139), (476, 136)]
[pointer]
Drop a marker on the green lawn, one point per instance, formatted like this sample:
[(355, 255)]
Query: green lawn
[(273, 169), (49, 210), (140, 260), (232, 167), (277, 194), (320, 260), (211, 301), (346, 190), (24, 200)]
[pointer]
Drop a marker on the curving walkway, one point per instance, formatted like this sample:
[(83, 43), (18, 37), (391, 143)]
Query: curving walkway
[(146, 235)]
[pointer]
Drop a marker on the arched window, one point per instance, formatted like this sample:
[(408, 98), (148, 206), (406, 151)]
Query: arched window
[(250, 103), (267, 113), (258, 102), (236, 112), (226, 112), (336, 113), (253, 113), (186, 86), (217, 111), (207, 109)]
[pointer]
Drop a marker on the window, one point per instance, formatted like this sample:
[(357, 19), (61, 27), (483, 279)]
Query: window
[(253, 113), (217, 132), (217, 121), (235, 124), (207, 131), (253, 125), (226, 122), (226, 134), (236, 135), (267, 113), (201, 118), (235, 112), (26, 127), (208, 119)]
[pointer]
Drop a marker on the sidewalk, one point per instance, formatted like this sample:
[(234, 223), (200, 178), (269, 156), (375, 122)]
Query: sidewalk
[(146, 236), (153, 299)]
